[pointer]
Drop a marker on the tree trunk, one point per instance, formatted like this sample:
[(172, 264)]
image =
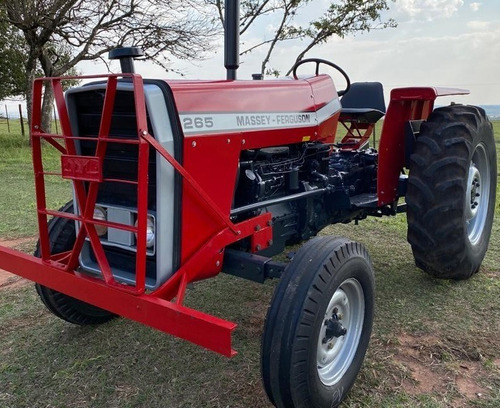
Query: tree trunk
[(47, 104), (30, 76), (48, 94)]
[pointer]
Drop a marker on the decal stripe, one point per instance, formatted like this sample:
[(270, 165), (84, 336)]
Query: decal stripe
[(327, 111), (209, 123)]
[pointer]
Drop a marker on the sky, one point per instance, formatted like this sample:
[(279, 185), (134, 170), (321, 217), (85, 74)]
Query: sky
[(450, 43)]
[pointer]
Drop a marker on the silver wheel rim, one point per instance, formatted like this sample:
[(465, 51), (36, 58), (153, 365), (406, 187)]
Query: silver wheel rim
[(477, 196), (335, 356)]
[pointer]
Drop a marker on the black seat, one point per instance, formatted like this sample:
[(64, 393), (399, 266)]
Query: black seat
[(364, 102)]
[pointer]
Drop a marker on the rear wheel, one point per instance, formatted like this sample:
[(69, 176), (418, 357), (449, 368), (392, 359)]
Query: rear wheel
[(318, 325), (451, 192), (62, 236)]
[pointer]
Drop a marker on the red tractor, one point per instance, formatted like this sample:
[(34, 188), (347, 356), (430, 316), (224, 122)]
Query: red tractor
[(177, 181)]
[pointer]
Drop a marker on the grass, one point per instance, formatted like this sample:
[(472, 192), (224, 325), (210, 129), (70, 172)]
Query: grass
[(17, 197), (426, 331)]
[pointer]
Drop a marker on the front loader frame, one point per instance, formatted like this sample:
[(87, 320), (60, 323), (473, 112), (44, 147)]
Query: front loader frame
[(163, 307)]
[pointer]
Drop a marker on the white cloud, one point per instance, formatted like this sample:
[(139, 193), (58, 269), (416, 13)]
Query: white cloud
[(474, 6), (478, 25), (428, 9)]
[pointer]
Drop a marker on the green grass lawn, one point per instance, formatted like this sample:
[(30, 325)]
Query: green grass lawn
[(434, 344), (17, 193)]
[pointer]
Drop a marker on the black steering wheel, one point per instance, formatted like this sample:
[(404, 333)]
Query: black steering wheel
[(319, 61)]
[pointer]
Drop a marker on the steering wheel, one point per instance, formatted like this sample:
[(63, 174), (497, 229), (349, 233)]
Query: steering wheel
[(319, 61)]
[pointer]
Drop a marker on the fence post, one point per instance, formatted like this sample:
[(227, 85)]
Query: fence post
[(21, 119), (7, 116)]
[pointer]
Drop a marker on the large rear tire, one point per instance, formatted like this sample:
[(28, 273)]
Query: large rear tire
[(451, 192), (318, 325), (62, 237)]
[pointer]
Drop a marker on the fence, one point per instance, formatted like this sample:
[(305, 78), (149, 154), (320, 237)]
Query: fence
[(17, 115)]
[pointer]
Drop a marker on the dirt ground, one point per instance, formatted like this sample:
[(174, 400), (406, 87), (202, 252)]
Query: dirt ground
[(8, 280), (422, 360)]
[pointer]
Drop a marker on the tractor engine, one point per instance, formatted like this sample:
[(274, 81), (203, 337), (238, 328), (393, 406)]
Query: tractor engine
[(305, 187)]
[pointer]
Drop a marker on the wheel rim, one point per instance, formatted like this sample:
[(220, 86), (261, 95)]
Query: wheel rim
[(335, 354), (478, 192)]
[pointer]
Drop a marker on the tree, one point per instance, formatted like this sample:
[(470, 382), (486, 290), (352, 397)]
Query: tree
[(61, 33), (342, 17), (12, 58)]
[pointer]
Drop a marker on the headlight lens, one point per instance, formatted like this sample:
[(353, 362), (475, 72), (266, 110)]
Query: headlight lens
[(100, 215), (150, 231)]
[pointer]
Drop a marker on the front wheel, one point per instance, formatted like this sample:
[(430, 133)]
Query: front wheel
[(62, 236), (318, 325), (451, 192)]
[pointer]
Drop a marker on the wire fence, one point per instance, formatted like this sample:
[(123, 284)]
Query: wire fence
[(14, 120)]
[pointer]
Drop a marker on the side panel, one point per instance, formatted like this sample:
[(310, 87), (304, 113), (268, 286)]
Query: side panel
[(222, 118)]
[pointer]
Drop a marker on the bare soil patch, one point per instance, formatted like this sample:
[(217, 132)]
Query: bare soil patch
[(432, 366), (8, 280)]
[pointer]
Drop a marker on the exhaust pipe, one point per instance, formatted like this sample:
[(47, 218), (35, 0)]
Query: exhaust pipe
[(126, 56), (231, 37)]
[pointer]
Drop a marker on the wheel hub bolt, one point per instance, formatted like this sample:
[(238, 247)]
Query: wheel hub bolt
[(334, 328)]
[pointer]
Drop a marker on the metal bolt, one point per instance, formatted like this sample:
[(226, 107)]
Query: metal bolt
[(36, 127), (217, 263), (258, 247), (330, 346), (193, 144), (270, 242), (243, 141), (257, 227), (238, 232), (144, 132), (269, 223), (228, 141)]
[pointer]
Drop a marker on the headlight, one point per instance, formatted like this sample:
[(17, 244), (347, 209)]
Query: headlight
[(150, 231), (100, 215)]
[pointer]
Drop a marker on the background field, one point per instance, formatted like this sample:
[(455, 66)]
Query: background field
[(434, 344)]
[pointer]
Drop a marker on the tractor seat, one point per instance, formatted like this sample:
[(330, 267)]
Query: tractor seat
[(363, 103)]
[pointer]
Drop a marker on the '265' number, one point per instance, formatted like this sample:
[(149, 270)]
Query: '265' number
[(197, 122)]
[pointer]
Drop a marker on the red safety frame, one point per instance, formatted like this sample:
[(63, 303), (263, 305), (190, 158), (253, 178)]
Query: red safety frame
[(162, 308)]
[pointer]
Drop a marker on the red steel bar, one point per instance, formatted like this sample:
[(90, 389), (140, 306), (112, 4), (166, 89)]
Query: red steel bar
[(205, 330)]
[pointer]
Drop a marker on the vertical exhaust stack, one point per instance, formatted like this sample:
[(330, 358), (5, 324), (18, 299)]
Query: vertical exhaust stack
[(126, 56), (232, 37)]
